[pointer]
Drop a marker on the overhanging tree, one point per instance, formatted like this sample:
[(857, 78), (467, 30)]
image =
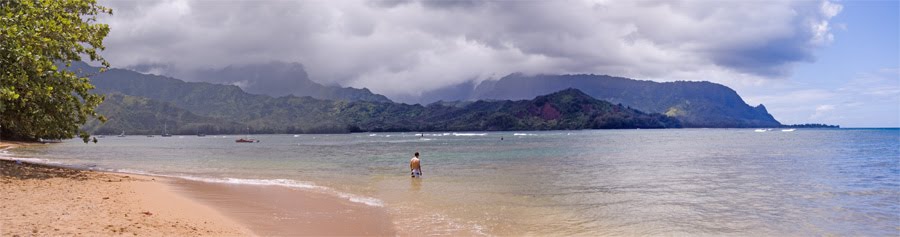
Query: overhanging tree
[(37, 99)]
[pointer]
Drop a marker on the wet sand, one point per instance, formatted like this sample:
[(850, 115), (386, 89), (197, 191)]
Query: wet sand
[(273, 210), (44, 200)]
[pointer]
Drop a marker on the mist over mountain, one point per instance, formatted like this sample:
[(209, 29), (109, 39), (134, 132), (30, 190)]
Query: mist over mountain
[(273, 78), (458, 92)]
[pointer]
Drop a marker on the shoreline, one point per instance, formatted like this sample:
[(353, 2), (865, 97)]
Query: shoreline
[(48, 199)]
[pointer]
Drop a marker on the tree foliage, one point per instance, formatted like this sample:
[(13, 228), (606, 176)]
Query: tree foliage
[(37, 98)]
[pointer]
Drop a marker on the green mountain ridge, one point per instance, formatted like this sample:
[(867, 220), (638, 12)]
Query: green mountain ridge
[(695, 103), (138, 115), (139, 102)]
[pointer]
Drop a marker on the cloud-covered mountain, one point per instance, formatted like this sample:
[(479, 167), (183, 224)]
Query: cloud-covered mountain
[(140, 103), (696, 104), (402, 47), (273, 78), (281, 79)]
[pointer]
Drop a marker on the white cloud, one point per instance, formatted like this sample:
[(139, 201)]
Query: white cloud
[(820, 25), (406, 47), (821, 110)]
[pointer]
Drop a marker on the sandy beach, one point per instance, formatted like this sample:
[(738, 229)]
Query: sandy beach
[(43, 200)]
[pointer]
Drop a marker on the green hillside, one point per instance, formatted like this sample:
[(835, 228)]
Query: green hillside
[(143, 104), (695, 103)]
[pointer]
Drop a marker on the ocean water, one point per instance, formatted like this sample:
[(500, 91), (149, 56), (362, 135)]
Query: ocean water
[(593, 182)]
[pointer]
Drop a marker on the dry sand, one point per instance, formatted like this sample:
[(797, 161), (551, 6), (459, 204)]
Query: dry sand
[(39, 200)]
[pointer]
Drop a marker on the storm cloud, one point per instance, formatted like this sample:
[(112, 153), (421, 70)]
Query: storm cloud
[(401, 48)]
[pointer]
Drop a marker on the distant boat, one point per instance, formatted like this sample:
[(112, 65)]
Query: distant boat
[(166, 131), (122, 135), (760, 130), (201, 135), (788, 130), (246, 140)]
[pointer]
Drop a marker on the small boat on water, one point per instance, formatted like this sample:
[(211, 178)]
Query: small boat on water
[(201, 135), (760, 130), (246, 140), (122, 135), (166, 131), (789, 130)]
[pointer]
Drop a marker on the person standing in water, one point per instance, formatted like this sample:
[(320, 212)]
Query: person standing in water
[(415, 166)]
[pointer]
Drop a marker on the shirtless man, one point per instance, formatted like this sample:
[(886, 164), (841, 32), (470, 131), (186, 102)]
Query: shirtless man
[(415, 167)]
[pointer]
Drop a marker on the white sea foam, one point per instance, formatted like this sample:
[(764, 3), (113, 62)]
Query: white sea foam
[(410, 140), (289, 183), (361, 199), (6, 155), (29, 160), (468, 134), (263, 182), (292, 184), (524, 134), (133, 171)]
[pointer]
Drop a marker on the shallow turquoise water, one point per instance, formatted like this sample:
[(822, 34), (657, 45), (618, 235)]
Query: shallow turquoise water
[(597, 182)]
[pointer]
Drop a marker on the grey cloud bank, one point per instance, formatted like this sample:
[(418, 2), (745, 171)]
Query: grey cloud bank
[(403, 49), (400, 47)]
